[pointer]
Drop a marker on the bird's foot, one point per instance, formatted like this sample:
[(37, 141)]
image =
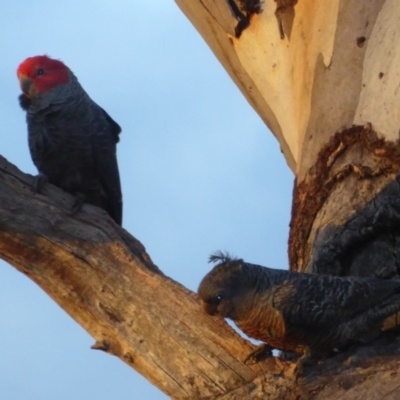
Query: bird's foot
[(78, 203), (302, 362), (262, 352), (288, 356), (39, 181)]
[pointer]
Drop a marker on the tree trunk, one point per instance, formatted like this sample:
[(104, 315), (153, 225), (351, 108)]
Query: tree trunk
[(328, 91)]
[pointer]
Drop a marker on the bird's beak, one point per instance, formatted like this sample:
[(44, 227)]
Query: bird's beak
[(26, 86), (208, 308)]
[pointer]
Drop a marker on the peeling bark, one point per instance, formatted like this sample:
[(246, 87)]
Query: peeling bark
[(320, 90), (336, 69), (329, 92), (355, 166)]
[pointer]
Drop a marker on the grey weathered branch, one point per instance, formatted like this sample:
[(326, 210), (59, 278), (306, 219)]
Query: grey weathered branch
[(103, 278)]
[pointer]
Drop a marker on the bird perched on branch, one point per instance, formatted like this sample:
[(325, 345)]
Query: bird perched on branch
[(72, 140), (303, 313)]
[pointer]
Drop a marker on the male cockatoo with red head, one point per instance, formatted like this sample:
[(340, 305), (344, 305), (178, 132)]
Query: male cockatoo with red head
[(72, 140)]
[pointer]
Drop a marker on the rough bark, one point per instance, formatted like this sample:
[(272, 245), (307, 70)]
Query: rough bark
[(345, 211), (104, 279)]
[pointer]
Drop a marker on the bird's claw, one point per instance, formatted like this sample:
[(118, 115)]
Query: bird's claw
[(304, 360), (262, 352), (39, 181), (78, 203)]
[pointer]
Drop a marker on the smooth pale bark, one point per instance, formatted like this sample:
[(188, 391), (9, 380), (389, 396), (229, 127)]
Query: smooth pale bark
[(338, 67), (330, 94)]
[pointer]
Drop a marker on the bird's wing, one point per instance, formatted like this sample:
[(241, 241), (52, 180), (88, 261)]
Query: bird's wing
[(312, 300), (104, 150), (115, 129)]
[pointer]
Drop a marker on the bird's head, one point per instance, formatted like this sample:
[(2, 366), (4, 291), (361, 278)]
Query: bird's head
[(223, 290), (40, 74)]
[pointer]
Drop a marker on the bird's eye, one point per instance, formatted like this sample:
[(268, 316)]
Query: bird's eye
[(218, 299), (40, 71)]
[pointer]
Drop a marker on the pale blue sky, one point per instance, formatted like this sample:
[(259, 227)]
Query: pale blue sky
[(199, 169)]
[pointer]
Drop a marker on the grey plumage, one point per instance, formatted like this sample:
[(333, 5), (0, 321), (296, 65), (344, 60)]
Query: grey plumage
[(73, 141), (304, 313)]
